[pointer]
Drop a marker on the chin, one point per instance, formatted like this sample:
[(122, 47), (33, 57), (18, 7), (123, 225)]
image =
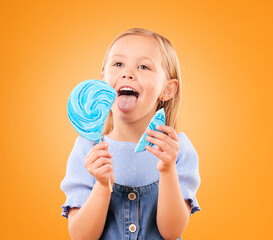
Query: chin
[(126, 117)]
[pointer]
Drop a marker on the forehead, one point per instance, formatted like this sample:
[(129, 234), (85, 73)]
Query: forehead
[(138, 46)]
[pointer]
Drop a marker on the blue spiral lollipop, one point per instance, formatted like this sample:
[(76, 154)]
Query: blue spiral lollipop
[(158, 119), (88, 107)]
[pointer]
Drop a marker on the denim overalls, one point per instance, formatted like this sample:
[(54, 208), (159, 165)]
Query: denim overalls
[(132, 213)]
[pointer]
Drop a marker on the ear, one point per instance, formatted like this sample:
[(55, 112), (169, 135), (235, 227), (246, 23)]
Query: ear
[(102, 76), (169, 90)]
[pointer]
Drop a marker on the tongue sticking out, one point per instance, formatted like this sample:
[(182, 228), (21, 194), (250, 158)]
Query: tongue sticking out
[(126, 103)]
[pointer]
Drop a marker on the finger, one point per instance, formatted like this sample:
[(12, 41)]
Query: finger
[(169, 130), (99, 146), (161, 136), (156, 152), (102, 161), (95, 155), (93, 168), (103, 171), (163, 146)]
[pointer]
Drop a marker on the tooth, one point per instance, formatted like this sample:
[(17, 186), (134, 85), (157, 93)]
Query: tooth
[(127, 89)]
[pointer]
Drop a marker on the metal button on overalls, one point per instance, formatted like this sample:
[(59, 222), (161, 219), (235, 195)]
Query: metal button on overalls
[(132, 196), (132, 228)]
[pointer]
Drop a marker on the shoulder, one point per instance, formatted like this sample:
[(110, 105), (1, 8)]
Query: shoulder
[(80, 149), (75, 170), (84, 142), (186, 148), (184, 140), (83, 145)]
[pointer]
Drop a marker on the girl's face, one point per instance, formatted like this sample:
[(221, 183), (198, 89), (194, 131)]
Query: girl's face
[(135, 63)]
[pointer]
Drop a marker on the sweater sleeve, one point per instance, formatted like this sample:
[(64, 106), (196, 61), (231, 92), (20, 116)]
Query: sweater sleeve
[(78, 182), (187, 165)]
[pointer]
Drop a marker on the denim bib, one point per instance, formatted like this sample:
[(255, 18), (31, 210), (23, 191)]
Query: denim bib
[(132, 213)]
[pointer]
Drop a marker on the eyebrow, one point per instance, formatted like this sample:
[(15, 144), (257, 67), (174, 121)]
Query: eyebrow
[(120, 55)]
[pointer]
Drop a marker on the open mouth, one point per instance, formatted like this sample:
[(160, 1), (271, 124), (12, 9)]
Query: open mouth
[(127, 99), (128, 91)]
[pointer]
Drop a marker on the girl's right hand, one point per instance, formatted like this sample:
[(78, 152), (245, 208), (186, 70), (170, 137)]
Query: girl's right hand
[(99, 163)]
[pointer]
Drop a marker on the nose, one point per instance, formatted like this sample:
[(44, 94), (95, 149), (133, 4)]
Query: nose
[(128, 74)]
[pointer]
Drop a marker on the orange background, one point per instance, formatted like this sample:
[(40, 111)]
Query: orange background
[(225, 52)]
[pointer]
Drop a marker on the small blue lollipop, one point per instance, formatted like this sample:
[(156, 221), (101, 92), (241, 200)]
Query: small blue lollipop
[(88, 107), (158, 119)]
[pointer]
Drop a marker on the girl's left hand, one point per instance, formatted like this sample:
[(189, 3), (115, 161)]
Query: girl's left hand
[(168, 146)]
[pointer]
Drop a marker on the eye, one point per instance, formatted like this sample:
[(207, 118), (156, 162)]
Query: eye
[(117, 64), (145, 67)]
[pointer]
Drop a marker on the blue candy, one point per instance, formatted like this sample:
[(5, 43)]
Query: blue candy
[(88, 107), (158, 119)]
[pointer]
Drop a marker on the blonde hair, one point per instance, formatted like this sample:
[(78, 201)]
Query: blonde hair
[(172, 71)]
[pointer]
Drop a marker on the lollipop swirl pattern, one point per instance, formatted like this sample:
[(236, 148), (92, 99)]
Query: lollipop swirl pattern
[(88, 107), (158, 119)]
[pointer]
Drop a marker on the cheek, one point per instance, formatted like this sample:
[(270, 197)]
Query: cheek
[(154, 88), (152, 93), (110, 77)]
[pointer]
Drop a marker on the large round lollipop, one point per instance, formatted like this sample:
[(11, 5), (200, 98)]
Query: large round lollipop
[(88, 107)]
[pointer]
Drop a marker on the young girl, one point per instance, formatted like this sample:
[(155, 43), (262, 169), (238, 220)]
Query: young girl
[(154, 190)]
